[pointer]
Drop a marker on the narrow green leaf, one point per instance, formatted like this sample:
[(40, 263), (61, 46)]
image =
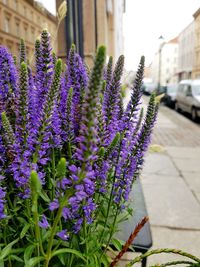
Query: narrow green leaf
[(44, 196), (6, 251), (69, 250), (28, 252), (116, 243), (105, 260), (32, 262), (24, 230), (16, 258)]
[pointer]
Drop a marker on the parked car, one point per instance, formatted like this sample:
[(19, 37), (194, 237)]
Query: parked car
[(170, 95), (161, 90), (149, 87), (188, 97)]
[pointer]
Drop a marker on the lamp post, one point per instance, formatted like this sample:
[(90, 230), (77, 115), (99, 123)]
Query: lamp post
[(161, 39)]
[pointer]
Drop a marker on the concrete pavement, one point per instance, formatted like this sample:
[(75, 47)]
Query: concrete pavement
[(171, 185)]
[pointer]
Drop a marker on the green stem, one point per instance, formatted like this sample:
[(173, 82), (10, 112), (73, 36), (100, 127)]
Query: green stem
[(158, 251), (37, 228), (53, 172), (70, 255), (85, 237), (111, 194), (173, 263), (53, 230)]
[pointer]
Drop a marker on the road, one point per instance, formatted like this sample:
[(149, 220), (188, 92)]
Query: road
[(171, 184)]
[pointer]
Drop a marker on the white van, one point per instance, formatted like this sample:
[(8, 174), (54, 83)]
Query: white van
[(188, 97)]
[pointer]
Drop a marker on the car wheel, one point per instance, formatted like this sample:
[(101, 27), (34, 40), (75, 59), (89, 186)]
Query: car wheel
[(194, 114), (176, 107)]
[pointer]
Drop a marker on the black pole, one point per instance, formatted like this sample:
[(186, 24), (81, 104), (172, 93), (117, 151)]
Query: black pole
[(96, 24), (80, 28)]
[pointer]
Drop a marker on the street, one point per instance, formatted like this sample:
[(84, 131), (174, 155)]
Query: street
[(171, 184)]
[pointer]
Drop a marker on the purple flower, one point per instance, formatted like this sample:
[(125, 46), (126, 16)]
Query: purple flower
[(2, 202), (63, 235), (54, 205), (43, 223)]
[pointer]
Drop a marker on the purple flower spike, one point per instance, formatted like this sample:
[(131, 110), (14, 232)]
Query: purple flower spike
[(2, 202)]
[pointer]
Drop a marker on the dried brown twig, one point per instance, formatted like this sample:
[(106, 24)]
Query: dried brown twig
[(129, 241)]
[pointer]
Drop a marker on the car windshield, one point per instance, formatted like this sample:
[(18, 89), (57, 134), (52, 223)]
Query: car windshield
[(172, 89), (196, 89)]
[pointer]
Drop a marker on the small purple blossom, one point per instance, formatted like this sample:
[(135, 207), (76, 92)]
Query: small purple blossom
[(63, 235), (54, 205), (43, 223)]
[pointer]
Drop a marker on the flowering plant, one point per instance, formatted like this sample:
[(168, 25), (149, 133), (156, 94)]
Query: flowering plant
[(70, 153)]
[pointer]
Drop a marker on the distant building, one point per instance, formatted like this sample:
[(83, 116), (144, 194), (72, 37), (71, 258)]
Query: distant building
[(90, 23), (165, 63), (24, 19), (186, 52), (196, 66)]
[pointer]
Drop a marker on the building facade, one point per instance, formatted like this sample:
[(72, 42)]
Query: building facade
[(164, 68), (24, 19), (169, 71), (196, 66), (90, 23), (186, 52)]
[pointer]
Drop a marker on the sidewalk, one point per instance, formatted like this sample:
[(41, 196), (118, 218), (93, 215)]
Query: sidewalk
[(171, 185)]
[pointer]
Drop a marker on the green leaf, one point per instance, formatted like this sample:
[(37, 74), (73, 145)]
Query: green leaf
[(28, 252), (105, 260), (24, 230), (69, 250), (95, 261), (32, 262), (62, 259), (16, 258), (6, 251), (116, 243), (44, 196)]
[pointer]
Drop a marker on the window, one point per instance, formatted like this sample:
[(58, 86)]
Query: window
[(32, 33), (26, 32), (15, 4), (32, 18), (17, 29), (7, 24), (24, 11)]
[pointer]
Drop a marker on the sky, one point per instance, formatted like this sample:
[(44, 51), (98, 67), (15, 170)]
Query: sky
[(49, 4), (145, 21)]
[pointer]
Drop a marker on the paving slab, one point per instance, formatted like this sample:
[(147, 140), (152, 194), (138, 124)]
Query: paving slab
[(170, 202), (188, 241), (187, 165), (184, 152), (193, 180), (159, 163)]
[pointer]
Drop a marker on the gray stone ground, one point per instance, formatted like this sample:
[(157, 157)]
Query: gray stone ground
[(171, 185)]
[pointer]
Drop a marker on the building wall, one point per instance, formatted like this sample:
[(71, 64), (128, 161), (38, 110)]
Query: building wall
[(101, 25), (24, 19), (169, 61), (186, 52), (167, 55), (196, 67)]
